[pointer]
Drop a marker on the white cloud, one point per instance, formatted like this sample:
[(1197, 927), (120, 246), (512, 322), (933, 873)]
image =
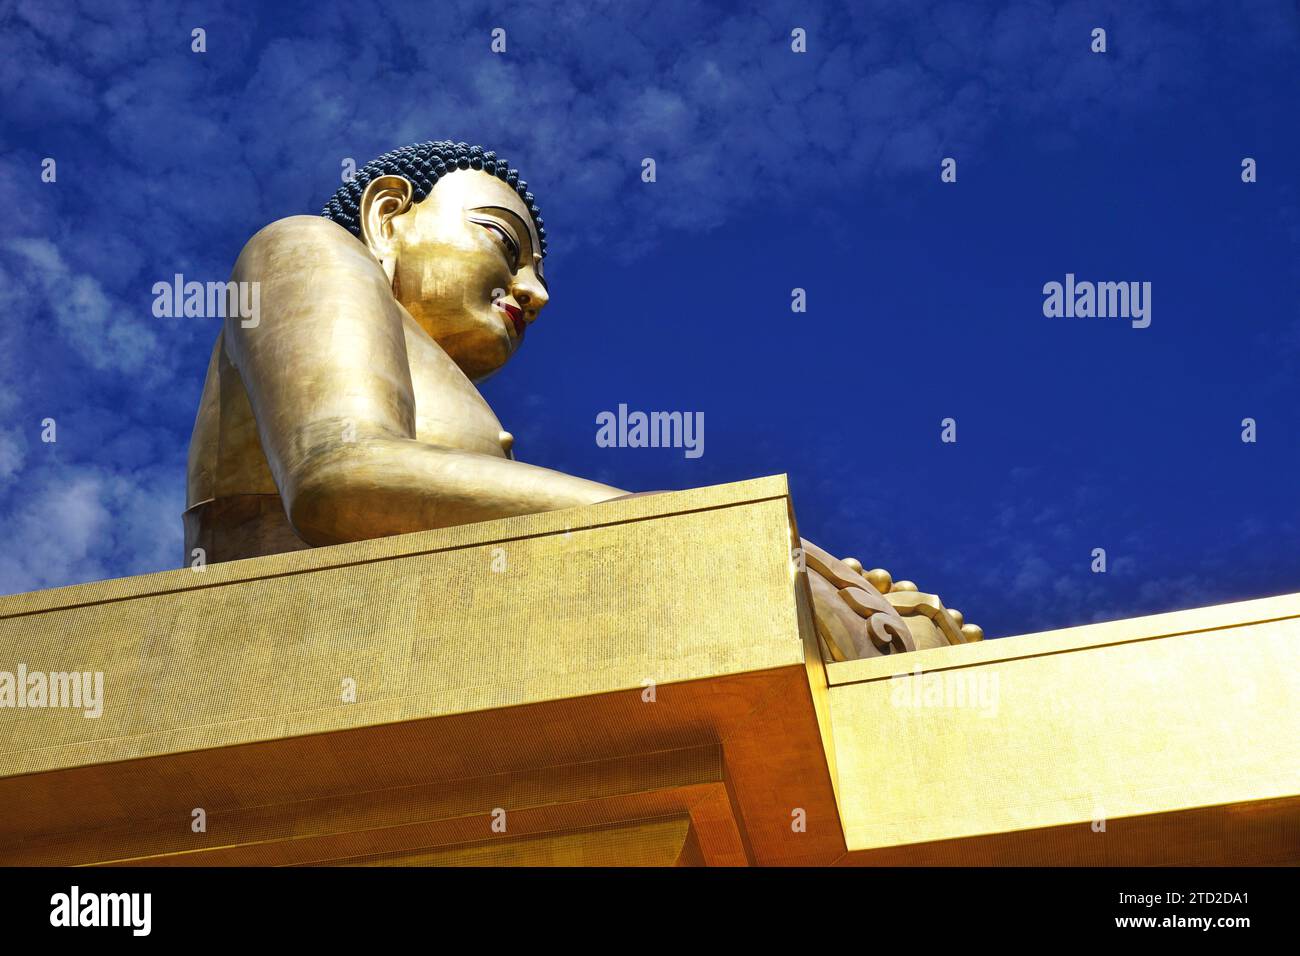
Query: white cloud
[(83, 524), (102, 331)]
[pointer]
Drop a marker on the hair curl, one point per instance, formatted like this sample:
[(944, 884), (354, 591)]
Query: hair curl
[(424, 164)]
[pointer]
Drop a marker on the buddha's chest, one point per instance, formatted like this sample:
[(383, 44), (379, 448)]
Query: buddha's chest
[(449, 411)]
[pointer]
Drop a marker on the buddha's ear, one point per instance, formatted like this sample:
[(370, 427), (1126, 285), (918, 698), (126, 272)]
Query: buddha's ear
[(384, 200)]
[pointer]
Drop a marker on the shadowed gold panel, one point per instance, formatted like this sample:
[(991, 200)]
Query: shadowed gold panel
[(664, 842)]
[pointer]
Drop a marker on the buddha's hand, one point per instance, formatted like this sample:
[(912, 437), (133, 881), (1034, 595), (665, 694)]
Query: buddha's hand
[(852, 617)]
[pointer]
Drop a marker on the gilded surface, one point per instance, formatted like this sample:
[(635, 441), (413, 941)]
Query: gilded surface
[(577, 669), (1085, 734), (620, 693)]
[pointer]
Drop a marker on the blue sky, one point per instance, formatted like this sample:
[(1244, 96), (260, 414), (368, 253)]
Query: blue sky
[(775, 170)]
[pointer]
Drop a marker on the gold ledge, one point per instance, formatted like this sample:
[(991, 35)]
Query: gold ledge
[(1032, 748), (1271, 610), (587, 601), (614, 637), (525, 691), (503, 530)]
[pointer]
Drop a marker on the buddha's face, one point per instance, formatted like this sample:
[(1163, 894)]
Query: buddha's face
[(465, 262)]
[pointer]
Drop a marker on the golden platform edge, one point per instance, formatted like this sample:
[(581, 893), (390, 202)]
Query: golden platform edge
[(636, 682)]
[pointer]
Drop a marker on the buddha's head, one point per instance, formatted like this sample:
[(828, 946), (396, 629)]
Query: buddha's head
[(464, 258)]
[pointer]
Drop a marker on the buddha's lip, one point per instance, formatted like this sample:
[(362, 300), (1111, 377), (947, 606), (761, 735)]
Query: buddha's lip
[(516, 316)]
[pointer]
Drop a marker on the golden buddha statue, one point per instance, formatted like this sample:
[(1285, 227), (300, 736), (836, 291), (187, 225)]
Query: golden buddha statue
[(346, 409)]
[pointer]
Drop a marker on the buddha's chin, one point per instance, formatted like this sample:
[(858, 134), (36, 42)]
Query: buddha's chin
[(481, 353)]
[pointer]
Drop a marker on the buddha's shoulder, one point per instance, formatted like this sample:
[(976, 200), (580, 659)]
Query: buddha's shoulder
[(315, 236), (316, 229)]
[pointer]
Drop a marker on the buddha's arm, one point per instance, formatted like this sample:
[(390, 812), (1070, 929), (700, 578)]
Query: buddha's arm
[(327, 376), (381, 486)]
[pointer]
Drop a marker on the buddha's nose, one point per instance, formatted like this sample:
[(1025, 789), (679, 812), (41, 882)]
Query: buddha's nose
[(531, 297)]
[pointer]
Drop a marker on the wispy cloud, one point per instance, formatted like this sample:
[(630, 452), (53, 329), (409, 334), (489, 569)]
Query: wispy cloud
[(86, 523)]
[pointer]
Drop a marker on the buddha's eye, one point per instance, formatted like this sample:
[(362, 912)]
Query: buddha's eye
[(507, 240)]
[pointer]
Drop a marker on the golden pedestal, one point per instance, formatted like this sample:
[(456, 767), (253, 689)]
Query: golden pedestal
[(636, 682)]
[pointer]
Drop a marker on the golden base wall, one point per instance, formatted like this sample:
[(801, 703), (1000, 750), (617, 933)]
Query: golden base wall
[(636, 682)]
